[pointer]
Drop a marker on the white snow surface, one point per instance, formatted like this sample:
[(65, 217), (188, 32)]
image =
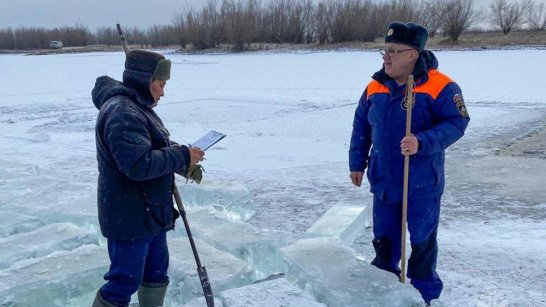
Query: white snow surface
[(288, 117)]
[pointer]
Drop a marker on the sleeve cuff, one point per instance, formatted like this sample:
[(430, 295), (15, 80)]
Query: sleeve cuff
[(187, 158)]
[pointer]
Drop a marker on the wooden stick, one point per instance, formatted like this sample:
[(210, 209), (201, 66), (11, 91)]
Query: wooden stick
[(409, 105)]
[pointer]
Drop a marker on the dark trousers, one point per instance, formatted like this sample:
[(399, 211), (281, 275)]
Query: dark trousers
[(133, 262), (423, 218)]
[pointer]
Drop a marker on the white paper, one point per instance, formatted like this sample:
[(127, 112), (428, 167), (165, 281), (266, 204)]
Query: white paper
[(209, 139)]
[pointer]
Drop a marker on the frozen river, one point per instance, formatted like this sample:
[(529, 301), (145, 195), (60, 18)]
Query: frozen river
[(276, 190)]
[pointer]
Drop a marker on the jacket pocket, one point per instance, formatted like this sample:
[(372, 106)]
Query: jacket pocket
[(157, 194), (373, 168), (423, 174)]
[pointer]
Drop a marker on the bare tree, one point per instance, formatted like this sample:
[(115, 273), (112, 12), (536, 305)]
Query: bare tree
[(459, 15), (283, 21), (508, 16), (212, 21), (366, 24), (181, 29), (163, 35), (31, 38), (136, 36), (536, 17), (239, 21), (38, 38), (197, 32), (403, 10), (321, 23), (107, 36), (77, 35), (203, 29), (7, 39), (343, 19), (295, 26), (431, 15), (308, 20)]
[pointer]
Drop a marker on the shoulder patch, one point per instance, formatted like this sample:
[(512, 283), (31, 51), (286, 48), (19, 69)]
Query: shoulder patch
[(459, 102)]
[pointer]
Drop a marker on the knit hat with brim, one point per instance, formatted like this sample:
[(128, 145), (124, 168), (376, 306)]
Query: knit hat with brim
[(411, 34), (148, 62)]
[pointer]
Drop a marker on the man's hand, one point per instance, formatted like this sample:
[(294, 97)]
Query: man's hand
[(356, 178), (196, 155), (409, 145)]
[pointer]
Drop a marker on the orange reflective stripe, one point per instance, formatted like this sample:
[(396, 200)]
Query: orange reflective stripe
[(375, 88), (435, 84)]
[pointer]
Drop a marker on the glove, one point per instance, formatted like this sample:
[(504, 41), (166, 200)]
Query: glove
[(194, 173)]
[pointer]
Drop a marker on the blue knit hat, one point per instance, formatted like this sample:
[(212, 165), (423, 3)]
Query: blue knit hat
[(411, 34)]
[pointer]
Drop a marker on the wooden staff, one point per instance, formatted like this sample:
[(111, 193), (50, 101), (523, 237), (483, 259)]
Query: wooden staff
[(409, 105)]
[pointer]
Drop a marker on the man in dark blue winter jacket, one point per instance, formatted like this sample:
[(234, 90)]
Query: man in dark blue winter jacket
[(136, 162), (378, 143)]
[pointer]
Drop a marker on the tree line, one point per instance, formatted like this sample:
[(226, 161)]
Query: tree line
[(242, 22)]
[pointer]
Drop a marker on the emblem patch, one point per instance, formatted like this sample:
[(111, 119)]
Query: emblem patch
[(404, 104), (390, 32), (459, 102)]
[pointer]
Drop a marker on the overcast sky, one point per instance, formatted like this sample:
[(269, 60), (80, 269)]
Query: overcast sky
[(97, 13), (90, 13)]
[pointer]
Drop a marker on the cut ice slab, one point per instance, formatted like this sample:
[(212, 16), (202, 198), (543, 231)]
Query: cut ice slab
[(337, 277), (271, 293), (43, 241), (343, 221), (224, 270), (230, 198), (62, 202), (200, 302), (13, 223), (59, 279), (17, 181), (260, 250), (22, 180)]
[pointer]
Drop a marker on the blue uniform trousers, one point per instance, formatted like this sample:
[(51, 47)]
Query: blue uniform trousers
[(132, 263), (423, 218)]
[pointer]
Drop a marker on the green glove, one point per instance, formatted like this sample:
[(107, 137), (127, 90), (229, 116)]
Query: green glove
[(194, 173)]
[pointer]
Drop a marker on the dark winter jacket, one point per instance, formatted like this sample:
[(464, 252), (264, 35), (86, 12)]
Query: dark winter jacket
[(439, 118), (136, 161)]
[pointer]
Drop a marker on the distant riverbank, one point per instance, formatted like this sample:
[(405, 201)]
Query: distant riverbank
[(469, 40)]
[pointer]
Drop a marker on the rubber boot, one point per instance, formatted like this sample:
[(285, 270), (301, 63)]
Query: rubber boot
[(101, 302), (151, 295)]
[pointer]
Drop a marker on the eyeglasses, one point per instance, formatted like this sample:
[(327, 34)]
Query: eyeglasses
[(392, 52)]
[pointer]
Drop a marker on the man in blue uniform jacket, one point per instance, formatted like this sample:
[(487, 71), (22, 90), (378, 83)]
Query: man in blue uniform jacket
[(136, 161), (378, 143)]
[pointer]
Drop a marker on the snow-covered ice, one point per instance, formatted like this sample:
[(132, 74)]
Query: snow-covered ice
[(262, 216)]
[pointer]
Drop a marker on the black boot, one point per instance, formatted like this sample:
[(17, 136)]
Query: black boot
[(383, 255)]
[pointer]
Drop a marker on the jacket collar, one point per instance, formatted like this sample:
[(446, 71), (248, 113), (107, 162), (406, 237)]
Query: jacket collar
[(426, 61)]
